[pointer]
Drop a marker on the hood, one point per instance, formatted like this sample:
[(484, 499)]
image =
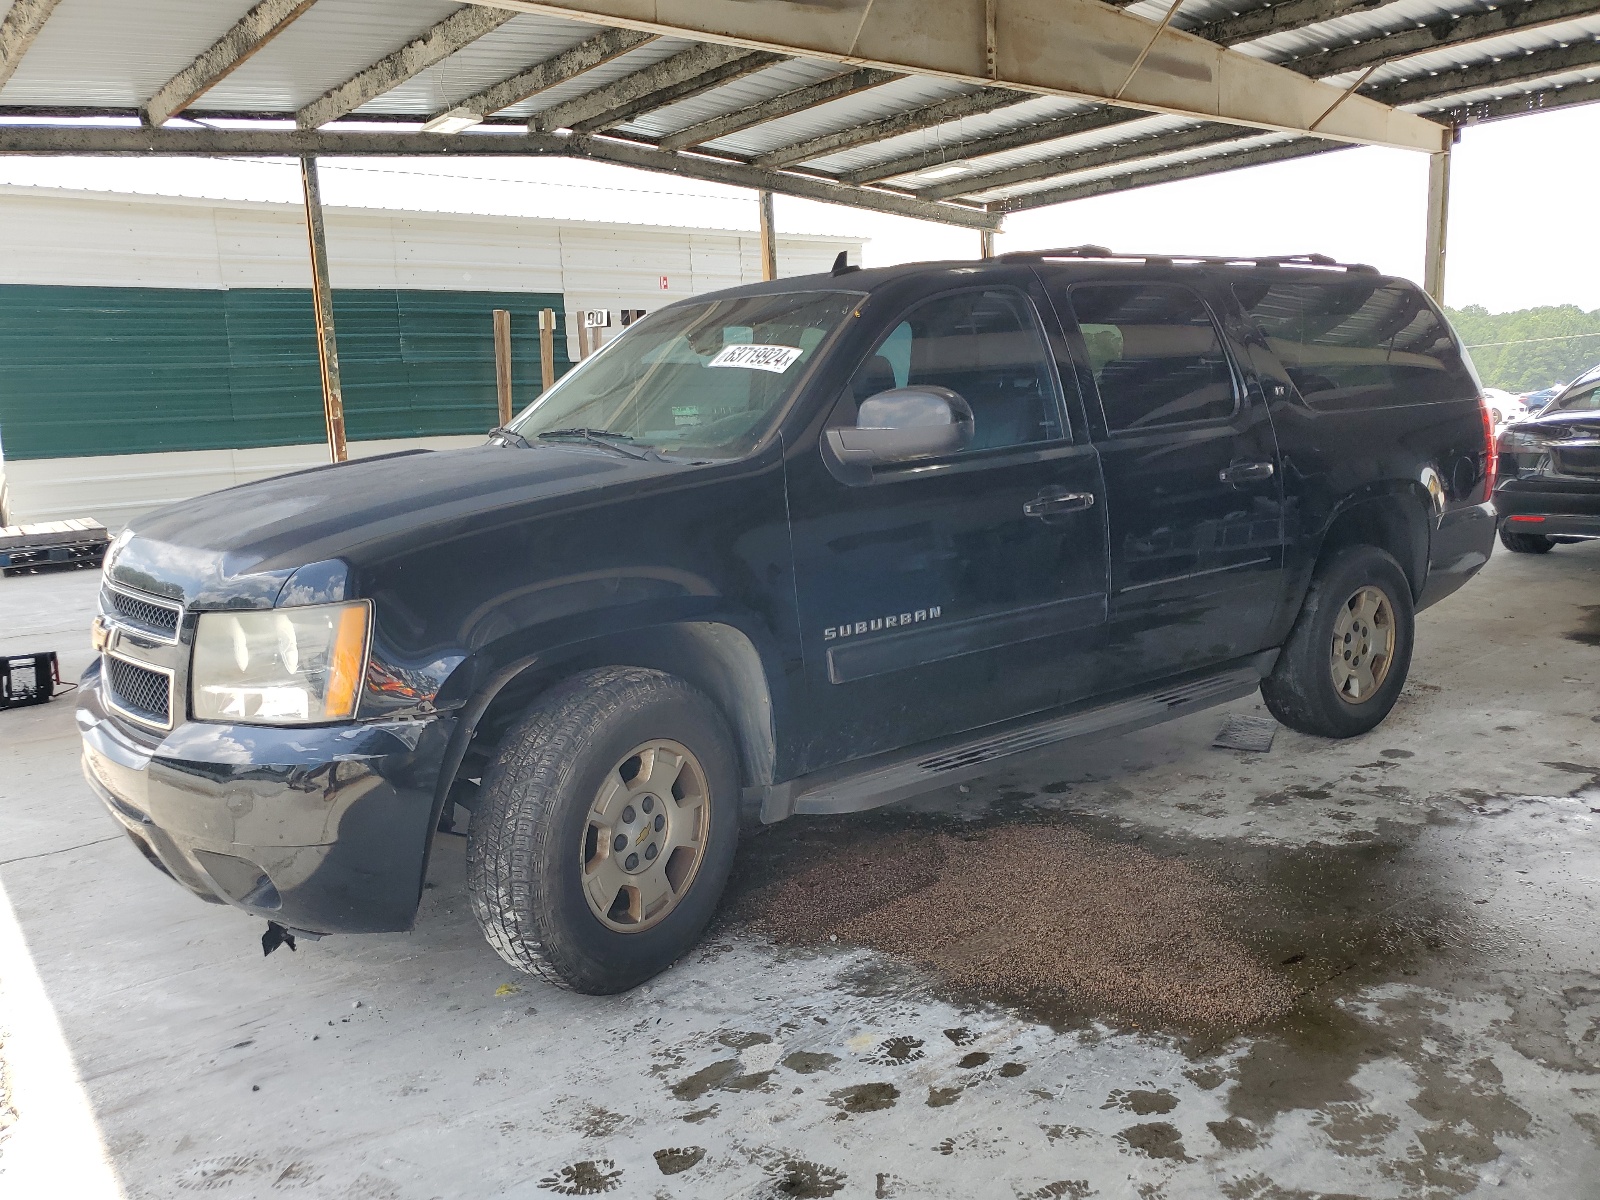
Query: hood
[(237, 548)]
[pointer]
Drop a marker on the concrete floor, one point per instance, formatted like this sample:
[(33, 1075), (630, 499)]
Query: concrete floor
[(1432, 888)]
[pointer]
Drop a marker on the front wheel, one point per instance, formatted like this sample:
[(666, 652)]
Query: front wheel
[(1526, 543), (1346, 659), (606, 830)]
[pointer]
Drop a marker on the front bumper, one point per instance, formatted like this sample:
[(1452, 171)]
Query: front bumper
[(1558, 507), (322, 829)]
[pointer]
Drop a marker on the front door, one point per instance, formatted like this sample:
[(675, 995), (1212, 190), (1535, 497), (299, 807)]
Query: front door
[(1191, 469), (947, 594)]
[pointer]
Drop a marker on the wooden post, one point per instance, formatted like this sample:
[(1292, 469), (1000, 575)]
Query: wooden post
[(583, 337), (322, 306), (547, 349), (769, 236), (1438, 220), (502, 362)]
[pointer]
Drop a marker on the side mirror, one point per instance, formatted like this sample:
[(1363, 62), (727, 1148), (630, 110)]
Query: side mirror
[(904, 424)]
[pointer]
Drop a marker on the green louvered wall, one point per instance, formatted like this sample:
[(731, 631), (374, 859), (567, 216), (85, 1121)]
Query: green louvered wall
[(89, 370)]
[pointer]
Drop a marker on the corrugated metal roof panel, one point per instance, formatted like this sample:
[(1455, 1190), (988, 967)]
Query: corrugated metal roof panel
[(901, 95), (1001, 120), (651, 52), (774, 81), (1060, 147), (515, 46), (1199, 154), (332, 41), (116, 55)]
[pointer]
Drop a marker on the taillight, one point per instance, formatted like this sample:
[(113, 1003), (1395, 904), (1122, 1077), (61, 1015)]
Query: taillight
[(1491, 450)]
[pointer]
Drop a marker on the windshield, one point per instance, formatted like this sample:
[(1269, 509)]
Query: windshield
[(1584, 400), (696, 378)]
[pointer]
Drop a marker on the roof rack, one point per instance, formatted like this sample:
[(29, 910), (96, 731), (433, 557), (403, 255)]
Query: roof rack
[(1167, 260)]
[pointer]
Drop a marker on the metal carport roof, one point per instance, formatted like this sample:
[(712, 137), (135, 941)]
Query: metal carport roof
[(935, 109)]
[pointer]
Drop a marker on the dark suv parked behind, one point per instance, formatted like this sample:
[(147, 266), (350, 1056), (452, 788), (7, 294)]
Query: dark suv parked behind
[(803, 547), (1549, 489)]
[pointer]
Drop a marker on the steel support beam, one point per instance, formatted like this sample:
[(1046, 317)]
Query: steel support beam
[(322, 307), (1081, 49), (1496, 73), (773, 108), (769, 236), (461, 28), (1277, 18), (684, 74), (1228, 31), (1438, 222), (1028, 135), (1084, 160), (1522, 104), (224, 143), (986, 243), (18, 29), (1441, 85), (230, 52), (569, 64), (1251, 156), (925, 117), (1447, 31)]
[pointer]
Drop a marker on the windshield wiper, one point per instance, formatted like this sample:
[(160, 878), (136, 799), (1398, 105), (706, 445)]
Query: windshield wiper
[(509, 435), (599, 437)]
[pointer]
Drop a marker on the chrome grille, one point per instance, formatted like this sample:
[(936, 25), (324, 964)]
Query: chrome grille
[(154, 616), (139, 692)]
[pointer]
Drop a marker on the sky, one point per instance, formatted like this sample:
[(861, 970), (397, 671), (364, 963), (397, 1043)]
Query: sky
[(1522, 227)]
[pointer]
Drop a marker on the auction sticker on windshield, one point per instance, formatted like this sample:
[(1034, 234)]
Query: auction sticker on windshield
[(754, 357)]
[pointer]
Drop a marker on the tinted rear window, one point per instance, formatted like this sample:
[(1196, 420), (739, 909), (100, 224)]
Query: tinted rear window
[(1359, 343)]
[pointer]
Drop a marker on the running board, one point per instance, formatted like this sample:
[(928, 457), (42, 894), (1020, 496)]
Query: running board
[(863, 785)]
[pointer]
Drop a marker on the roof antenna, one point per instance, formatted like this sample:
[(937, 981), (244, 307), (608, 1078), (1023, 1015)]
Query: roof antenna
[(841, 264)]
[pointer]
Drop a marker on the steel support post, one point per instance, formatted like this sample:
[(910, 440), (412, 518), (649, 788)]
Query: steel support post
[(1438, 221), (985, 243), (322, 305), (769, 236)]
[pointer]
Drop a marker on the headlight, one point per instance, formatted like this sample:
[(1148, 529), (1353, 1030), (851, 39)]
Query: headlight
[(289, 666), (1520, 441)]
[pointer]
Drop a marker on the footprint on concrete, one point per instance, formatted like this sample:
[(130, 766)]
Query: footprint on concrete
[(895, 1051), (1155, 1139), (1142, 1103), (808, 1180), (584, 1178), (809, 1062), (961, 1036), (864, 1098), (678, 1159), (1063, 1189)]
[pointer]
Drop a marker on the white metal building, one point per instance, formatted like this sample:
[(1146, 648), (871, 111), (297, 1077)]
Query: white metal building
[(57, 239)]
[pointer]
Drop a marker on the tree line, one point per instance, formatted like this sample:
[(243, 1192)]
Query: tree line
[(1531, 348)]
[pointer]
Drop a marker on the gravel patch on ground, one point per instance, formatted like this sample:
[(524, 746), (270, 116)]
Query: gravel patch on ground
[(1037, 912)]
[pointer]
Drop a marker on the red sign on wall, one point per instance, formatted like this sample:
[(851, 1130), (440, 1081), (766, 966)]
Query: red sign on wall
[(663, 283)]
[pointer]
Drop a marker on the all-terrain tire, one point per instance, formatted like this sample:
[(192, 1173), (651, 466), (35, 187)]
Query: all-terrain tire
[(525, 842), (1526, 543), (1301, 691)]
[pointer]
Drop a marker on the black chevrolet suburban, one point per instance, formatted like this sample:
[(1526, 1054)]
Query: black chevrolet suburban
[(808, 546)]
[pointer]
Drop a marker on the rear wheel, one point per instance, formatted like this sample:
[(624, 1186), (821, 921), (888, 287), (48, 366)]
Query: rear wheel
[(1346, 659), (1526, 543), (606, 830)]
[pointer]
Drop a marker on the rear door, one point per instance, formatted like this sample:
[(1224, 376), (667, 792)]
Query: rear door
[(942, 595), (1193, 484)]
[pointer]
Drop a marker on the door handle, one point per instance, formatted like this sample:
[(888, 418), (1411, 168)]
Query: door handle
[(1246, 472), (1047, 504)]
